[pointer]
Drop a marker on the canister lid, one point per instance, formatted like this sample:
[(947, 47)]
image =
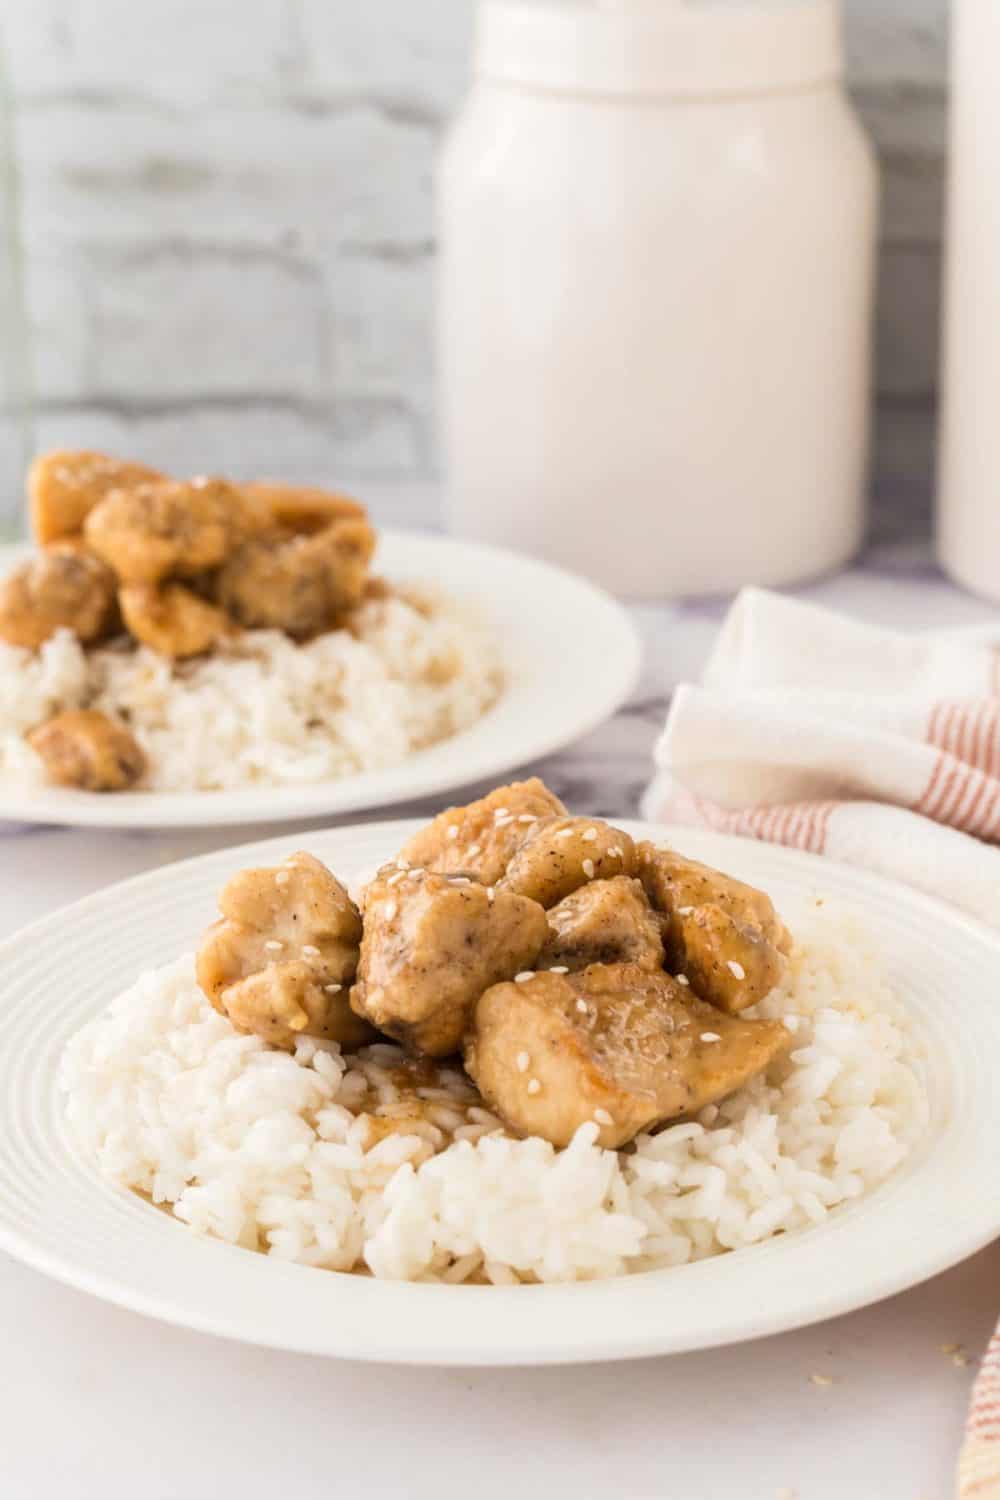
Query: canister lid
[(660, 47)]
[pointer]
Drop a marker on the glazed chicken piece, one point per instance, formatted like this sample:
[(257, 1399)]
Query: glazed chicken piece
[(164, 528), (617, 1045), (84, 748), (482, 838), (281, 960), (432, 944), (604, 922), (725, 937), (64, 487), (63, 588), (299, 584), (302, 508), (565, 853), (172, 619)]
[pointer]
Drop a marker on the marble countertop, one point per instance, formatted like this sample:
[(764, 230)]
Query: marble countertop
[(101, 1402)]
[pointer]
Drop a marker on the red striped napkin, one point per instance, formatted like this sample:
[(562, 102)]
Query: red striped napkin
[(874, 747)]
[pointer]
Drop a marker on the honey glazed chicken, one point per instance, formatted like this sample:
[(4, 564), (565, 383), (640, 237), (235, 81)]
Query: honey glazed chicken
[(579, 977), (129, 555)]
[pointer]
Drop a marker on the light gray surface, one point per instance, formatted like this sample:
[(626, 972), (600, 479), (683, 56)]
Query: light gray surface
[(103, 1403), (228, 220)]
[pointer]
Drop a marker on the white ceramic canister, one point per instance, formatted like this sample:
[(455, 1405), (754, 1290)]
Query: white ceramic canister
[(657, 226), (969, 477)]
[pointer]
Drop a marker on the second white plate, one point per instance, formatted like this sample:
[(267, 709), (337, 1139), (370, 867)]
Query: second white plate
[(57, 1214), (570, 658)]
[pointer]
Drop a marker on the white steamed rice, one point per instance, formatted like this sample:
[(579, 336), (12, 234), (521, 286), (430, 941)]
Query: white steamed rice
[(267, 711), (266, 1150)]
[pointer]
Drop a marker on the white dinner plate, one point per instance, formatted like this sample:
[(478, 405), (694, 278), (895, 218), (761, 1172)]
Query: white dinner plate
[(60, 1216), (570, 658)]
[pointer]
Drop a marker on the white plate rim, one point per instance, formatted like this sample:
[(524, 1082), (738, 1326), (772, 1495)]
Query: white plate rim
[(416, 1324), (549, 703)]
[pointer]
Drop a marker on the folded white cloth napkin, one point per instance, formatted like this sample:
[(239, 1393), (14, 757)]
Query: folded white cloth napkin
[(874, 747)]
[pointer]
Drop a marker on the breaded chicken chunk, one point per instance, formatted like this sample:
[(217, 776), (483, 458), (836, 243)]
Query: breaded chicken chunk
[(616, 1044), (172, 619), (65, 587), (561, 855), (167, 528), (432, 944), (482, 838), (86, 749), (281, 960), (604, 922), (302, 508), (299, 584), (725, 937), (64, 487)]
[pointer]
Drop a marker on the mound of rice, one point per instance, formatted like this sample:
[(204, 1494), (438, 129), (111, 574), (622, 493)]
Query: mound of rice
[(413, 670), (267, 1150)]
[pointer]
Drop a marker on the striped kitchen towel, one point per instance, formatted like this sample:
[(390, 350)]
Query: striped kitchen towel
[(877, 748), (871, 746)]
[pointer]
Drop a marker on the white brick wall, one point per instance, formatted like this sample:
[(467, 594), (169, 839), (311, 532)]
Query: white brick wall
[(227, 216)]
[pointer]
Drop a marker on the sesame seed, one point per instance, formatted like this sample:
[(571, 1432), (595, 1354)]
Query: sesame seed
[(402, 864), (559, 969), (534, 1087), (588, 868), (459, 880), (684, 911), (395, 879), (590, 836), (502, 822), (310, 950), (491, 894), (453, 831), (737, 970), (821, 1379), (581, 1006), (602, 1117), (616, 851), (389, 910), (523, 1062), (475, 849), (416, 874), (710, 1036), (524, 976), (501, 812), (273, 946), (684, 980), (282, 877), (791, 1023), (333, 989), (565, 833), (527, 818)]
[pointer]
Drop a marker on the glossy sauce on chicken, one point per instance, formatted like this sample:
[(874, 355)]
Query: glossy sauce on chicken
[(539, 947)]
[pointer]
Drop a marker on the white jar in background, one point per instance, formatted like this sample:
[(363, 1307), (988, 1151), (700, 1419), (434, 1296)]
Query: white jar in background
[(969, 477), (657, 228)]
